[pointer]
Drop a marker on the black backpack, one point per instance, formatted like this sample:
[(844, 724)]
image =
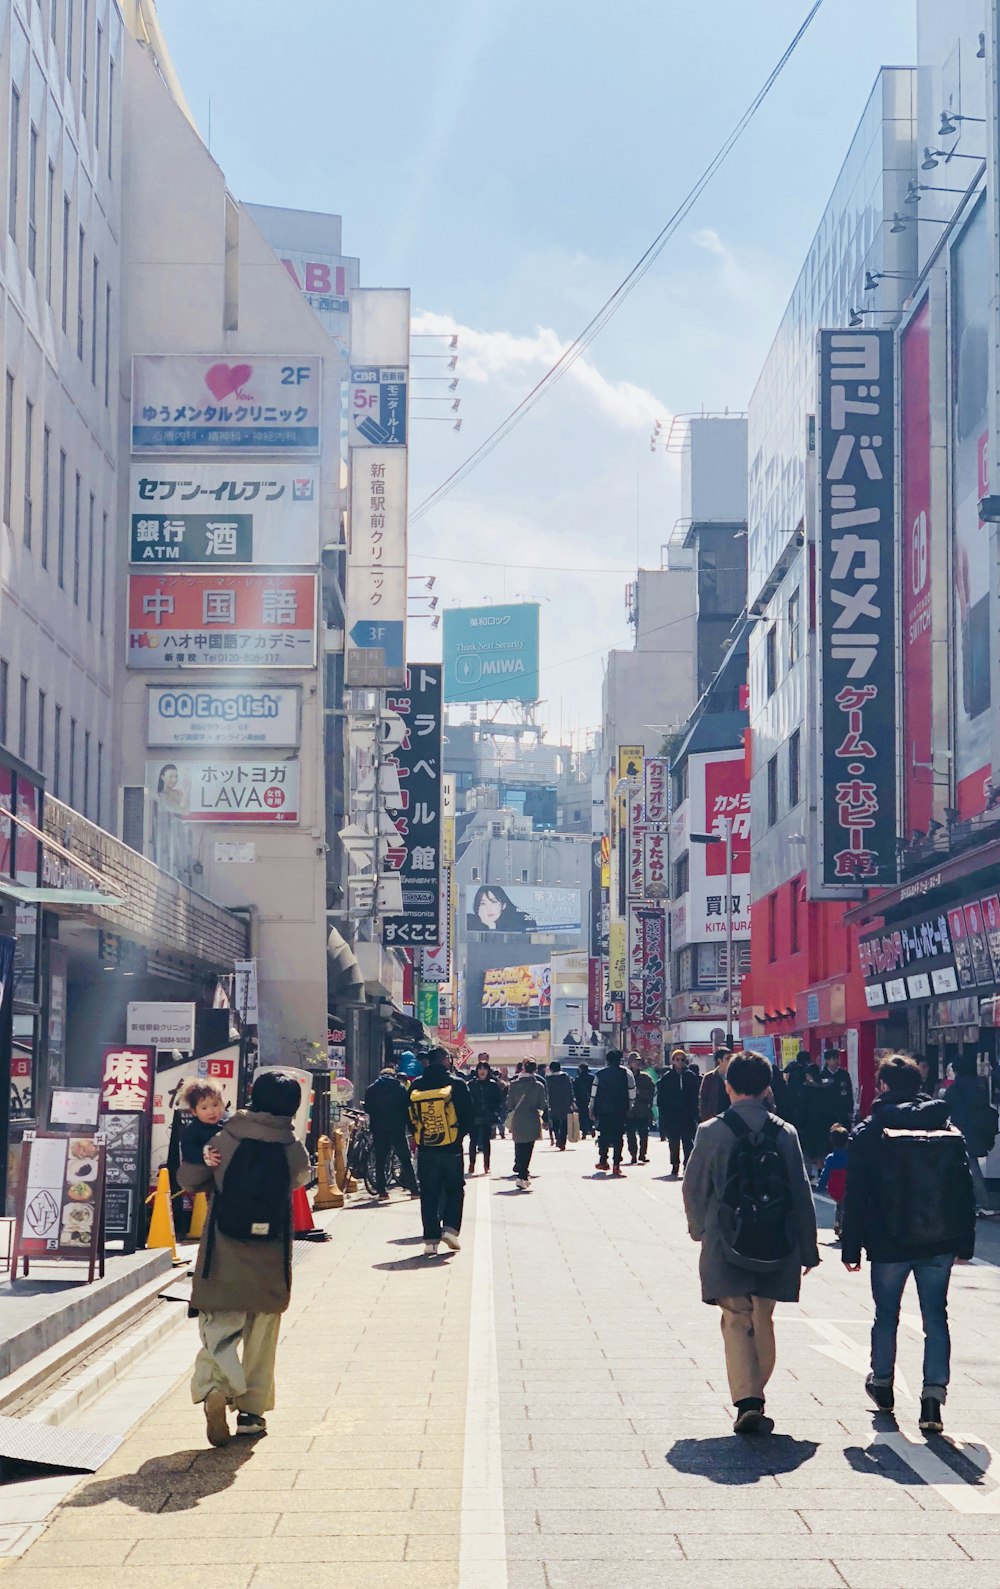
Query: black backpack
[(919, 1173), (254, 1204), (755, 1214)]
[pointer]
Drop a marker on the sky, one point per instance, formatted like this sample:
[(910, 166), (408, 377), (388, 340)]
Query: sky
[(509, 161)]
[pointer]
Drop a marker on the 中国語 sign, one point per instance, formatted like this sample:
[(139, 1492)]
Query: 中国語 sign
[(222, 619), (211, 404), (416, 856), (218, 513), (856, 575)]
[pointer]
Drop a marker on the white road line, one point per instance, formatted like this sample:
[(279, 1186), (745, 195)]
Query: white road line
[(483, 1540), (955, 1489)]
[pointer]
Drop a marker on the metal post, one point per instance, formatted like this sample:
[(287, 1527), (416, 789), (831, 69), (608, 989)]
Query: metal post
[(729, 930)]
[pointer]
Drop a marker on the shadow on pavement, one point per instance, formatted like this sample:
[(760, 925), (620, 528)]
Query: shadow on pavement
[(735, 1460), (407, 1241), (882, 1462), (418, 1261), (206, 1471)]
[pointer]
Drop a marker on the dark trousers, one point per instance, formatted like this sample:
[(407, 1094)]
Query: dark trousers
[(560, 1126), (442, 1190), (586, 1124), (638, 1138), (678, 1140), (522, 1159), (479, 1142), (384, 1142), (610, 1137)]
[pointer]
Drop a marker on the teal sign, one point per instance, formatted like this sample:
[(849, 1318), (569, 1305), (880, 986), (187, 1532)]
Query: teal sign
[(491, 653)]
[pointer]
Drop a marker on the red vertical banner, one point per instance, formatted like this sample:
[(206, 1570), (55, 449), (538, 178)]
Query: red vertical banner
[(915, 564)]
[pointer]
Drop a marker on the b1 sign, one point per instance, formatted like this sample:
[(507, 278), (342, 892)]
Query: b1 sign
[(206, 404), (222, 716)]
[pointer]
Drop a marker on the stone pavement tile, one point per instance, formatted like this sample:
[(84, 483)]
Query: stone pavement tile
[(100, 1524), (915, 1575), (635, 1549), (753, 1574), (270, 1552), (330, 1525), (845, 1544), (371, 1575), (188, 1575), (98, 1553), (697, 1519), (980, 1546)]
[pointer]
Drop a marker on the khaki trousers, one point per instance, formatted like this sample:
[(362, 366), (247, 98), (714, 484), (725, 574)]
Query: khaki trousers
[(248, 1383), (748, 1337)]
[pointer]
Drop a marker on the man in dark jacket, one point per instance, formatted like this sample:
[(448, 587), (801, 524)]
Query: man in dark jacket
[(969, 1108), (614, 1090), (641, 1113), (583, 1086), (441, 1115), (909, 1204), (677, 1106), (387, 1104), (561, 1103), (487, 1101), (712, 1098)]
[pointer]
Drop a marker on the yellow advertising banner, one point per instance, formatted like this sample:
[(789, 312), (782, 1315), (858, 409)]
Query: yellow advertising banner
[(630, 760), (517, 988), (448, 841), (605, 861), (616, 958), (789, 1048)]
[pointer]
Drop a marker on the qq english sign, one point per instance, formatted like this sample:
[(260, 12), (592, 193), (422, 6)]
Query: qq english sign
[(491, 653)]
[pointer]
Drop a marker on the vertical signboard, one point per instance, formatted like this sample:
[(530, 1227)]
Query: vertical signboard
[(855, 609), (415, 855), (915, 573)]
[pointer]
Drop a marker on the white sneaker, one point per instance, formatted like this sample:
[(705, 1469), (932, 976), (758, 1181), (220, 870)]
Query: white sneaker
[(430, 1249), (523, 1186), (450, 1239)]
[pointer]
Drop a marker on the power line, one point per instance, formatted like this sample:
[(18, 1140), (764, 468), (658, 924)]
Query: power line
[(515, 562), (611, 305)]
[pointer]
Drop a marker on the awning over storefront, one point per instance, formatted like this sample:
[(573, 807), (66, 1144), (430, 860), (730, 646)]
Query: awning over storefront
[(346, 982), (61, 900)]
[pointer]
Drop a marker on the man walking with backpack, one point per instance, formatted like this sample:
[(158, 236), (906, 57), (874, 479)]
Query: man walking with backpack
[(749, 1204), (909, 1204), (614, 1095), (243, 1275), (441, 1114)]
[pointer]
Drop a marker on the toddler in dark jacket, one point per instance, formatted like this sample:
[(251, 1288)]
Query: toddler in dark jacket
[(206, 1105)]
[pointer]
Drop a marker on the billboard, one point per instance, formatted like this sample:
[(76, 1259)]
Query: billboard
[(376, 570), (257, 789), (221, 619), (222, 716), (915, 573), (220, 513), (646, 970), (308, 245), (718, 791), (856, 571), (416, 855), (970, 649), (210, 404), (506, 989), (491, 653), (519, 908), (516, 987)]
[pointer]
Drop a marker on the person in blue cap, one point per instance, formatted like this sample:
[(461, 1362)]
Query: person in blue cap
[(409, 1065)]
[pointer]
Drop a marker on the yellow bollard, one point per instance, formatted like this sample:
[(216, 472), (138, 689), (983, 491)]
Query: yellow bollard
[(339, 1159), (199, 1214), (161, 1225), (327, 1195)]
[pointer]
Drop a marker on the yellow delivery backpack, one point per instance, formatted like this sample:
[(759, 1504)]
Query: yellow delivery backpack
[(435, 1122)]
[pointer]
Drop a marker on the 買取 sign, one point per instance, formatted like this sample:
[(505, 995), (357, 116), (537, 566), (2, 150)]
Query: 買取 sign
[(156, 1025), (491, 653), (219, 716), (261, 789), (221, 619), (221, 514), (856, 614), (205, 404)]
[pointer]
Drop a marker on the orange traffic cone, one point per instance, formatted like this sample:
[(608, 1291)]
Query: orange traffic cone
[(199, 1213), (303, 1226), (161, 1223)]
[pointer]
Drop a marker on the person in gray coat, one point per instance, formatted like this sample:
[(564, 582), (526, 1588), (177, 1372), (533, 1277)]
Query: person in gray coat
[(526, 1102), (745, 1295)]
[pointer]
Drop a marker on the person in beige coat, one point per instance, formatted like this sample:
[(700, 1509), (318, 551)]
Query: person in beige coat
[(242, 1286)]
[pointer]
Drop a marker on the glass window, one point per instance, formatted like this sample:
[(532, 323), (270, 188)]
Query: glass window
[(72, 761), (4, 678), (8, 449), (794, 769), (40, 759), (50, 222), (57, 752), (29, 447), (111, 113), (772, 791), (82, 241), (61, 529), (100, 780), (32, 199), (793, 914), (104, 566), (772, 927), (771, 661), (76, 540), (107, 346), (84, 45), (65, 264), (90, 560), (98, 75), (46, 493), (86, 772), (93, 321), (794, 628), (15, 131), (22, 721)]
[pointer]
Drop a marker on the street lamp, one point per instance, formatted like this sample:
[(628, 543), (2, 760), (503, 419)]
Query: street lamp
[(726, 838)]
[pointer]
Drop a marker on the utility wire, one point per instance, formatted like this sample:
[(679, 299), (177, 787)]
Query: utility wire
[(611, 305)]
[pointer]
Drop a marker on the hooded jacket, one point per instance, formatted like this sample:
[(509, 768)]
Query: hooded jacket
[(387, 1104), (864, 1221), (560, 1090), (244, 1276)]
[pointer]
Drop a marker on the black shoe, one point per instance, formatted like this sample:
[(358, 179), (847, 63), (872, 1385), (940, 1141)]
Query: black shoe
[(881, 1395), (751, 1419), (930, 1416), (248, 1423)]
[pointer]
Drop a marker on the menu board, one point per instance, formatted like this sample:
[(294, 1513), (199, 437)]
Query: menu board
[(59, 1213), (125, 1179)]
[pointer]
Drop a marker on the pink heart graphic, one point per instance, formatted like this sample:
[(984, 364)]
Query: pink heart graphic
[(222, 379)]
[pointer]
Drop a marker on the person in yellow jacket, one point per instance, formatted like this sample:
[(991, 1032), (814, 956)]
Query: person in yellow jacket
[(442, 1115)]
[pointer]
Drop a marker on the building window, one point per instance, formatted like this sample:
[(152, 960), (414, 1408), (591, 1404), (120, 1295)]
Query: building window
[(50, 225), (100, 781), (682, 876), (46, 493), (86, 773), (69, 39), (76, 540), (794, 888), (104, 565), (4, 680), (72, 761), (29, 447), (98, 74), (107, 346), (15, 129), (8, 449), (772, 927), (32, 199), (524, 874), (90, 560), (771, 662), (794, 769), (93, 321), (22, 721), (84, 39), (794, 628), (57, 752), (772, 791), (53, 20), (61, 528), (65, 264), (111, 113), (41, 731), (475, 872), (82, 241)]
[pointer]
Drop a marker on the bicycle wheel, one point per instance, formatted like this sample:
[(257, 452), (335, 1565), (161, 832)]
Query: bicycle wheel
[(394, 1170), (369, 1173)]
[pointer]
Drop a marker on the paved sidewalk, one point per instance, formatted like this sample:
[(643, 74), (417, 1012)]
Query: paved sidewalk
[(602, 1372)]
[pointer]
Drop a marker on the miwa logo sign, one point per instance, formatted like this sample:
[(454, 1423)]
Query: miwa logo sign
[(471, 669)]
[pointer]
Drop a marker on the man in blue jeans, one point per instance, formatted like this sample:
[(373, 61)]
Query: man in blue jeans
[(909, 1204)]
